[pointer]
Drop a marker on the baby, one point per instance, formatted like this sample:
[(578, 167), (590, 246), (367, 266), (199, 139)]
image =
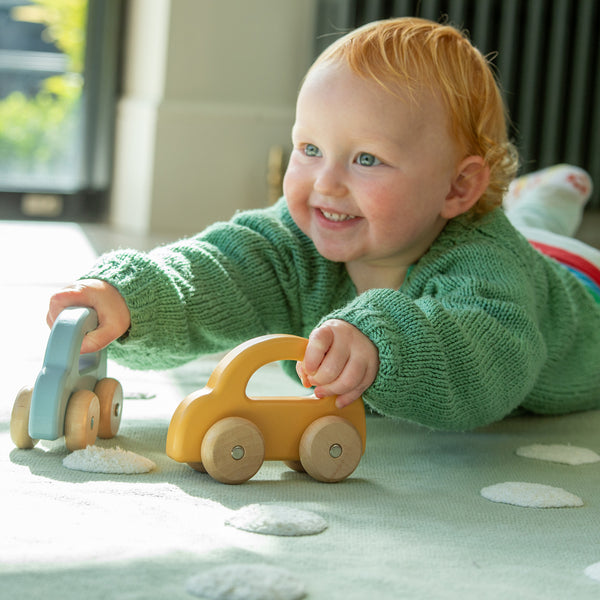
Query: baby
[(390, 251)]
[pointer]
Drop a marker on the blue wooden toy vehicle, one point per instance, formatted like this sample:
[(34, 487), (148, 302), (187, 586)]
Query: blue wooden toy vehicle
[(72, 396)]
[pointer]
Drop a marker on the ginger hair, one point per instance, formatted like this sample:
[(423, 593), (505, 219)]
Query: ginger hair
[(412, 54)]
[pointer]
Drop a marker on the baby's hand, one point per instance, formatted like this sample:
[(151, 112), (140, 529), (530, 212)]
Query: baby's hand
[(113, 314), (339, 360)]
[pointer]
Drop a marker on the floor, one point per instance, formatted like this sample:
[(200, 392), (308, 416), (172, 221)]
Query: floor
[(413, 508)]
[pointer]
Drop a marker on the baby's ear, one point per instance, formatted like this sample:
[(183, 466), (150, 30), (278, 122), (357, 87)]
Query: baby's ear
[(469, 184)]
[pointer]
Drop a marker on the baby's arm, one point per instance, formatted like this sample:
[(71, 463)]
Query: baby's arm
[(113, 314), (339, 360)]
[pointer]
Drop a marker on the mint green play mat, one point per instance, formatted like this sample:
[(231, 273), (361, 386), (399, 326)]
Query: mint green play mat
[(410, 522)]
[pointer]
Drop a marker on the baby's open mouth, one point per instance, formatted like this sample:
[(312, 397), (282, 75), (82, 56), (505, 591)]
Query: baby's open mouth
[(330, 216)]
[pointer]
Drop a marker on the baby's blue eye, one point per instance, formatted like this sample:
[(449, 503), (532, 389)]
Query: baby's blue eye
[(367, 160), (311, 150)]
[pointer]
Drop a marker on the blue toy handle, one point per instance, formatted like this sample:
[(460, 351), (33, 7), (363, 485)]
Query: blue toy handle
[(64, 371)]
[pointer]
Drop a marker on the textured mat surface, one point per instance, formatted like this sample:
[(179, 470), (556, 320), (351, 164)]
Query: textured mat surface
[(409, 523)]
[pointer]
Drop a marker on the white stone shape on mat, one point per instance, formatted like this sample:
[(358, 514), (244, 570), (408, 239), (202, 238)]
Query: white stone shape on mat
[(272, 519), (531, 495), (559, 453), (246, 582), (95, 459), (593, 571)]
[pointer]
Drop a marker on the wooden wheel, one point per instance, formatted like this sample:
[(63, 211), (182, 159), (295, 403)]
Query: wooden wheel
[(110, 396), (330, 449), (19, 420), (233, 450), (81, 420), (295, 465), (197, 466)]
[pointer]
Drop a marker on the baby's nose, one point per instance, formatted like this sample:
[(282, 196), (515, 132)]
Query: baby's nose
[(331, 181)]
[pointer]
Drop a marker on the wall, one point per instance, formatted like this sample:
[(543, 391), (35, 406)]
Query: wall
[(209, 86)]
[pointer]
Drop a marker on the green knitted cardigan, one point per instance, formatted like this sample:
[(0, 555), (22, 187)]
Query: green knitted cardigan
[(483, 325)]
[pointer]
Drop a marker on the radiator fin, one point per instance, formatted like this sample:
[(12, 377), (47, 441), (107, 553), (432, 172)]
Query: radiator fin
[(547, 61)]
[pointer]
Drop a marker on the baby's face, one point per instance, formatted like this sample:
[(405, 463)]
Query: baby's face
[(370, 171)]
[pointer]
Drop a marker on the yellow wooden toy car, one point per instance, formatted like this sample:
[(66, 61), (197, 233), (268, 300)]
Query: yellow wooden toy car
[(220, 430)]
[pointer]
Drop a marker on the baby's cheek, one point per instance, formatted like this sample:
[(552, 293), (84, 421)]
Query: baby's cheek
[(299, 210)]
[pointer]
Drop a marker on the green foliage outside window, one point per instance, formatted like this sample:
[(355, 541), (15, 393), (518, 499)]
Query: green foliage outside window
[(40, 129)]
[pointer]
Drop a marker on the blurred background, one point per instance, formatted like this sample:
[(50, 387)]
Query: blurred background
[(162, 116)]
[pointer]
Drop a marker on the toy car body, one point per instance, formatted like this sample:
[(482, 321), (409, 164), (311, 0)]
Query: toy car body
[(219, 429), (72, 395)]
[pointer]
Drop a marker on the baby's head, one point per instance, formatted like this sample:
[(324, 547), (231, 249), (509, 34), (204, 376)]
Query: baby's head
[(407, 55)]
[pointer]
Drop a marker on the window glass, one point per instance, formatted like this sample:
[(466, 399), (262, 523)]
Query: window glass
[(42, 53)]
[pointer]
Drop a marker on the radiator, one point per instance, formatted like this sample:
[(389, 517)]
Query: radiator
[(547, 58)]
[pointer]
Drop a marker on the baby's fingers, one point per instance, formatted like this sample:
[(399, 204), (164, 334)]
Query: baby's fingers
[(330, 373), (319, 342), (351, 381), (73, 295), (112, 311), (96, 340), (344, 400), (302, 375)]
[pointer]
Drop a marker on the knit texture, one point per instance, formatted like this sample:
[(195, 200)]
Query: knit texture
[(484, 323)]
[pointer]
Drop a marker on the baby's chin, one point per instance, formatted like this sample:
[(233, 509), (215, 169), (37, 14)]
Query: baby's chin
[(333, 255)]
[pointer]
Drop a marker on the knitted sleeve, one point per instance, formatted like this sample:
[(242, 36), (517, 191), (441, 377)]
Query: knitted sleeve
[(459, 347), (236, 280)]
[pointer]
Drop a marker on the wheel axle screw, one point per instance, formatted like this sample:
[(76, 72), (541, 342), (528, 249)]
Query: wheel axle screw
[(237, 452), (335, 451)]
